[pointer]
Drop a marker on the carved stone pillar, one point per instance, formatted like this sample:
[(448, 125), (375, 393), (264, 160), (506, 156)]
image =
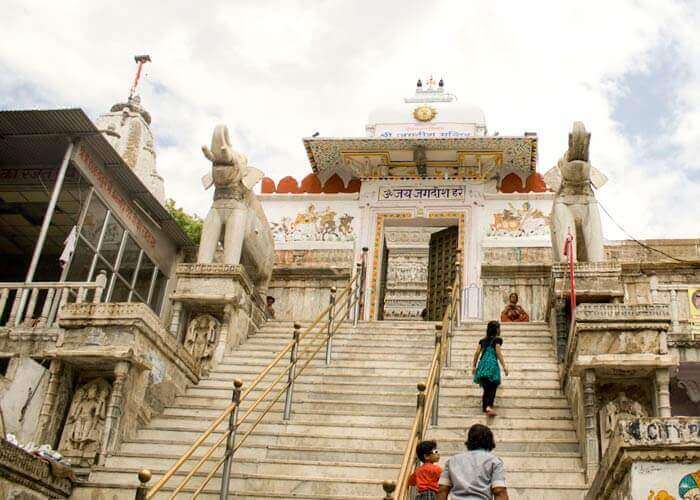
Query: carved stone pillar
[(663, 398), (589, 409), (407, 272), (175, 318), (47, 413), (114, 409)]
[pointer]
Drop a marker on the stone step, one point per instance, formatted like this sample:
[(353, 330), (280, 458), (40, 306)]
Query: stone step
[(408, 336), (451, 441), (296, 466), (246, 365), (351, 452), (91, 491), (451, 377), (312, 482), (309, 392), (356, 368), (341, 385), (348, 351), (371, 425)]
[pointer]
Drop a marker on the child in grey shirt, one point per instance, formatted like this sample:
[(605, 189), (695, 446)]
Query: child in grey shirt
[(476, 474)]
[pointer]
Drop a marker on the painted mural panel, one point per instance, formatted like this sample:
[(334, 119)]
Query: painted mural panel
[(312, 223), (517, 221), (665, 481)]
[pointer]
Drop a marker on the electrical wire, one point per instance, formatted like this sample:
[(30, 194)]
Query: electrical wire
[(644, 245)]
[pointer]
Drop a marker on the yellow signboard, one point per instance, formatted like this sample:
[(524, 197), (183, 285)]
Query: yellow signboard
[(694, 310)]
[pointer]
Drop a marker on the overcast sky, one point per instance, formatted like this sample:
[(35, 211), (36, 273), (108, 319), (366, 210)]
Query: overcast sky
[(278, 71)]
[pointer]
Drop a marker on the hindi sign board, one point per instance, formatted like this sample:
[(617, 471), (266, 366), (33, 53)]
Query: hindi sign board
[(421, 193)]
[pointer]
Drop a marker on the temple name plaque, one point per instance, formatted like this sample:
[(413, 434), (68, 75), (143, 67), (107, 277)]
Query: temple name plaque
[(421, 193)]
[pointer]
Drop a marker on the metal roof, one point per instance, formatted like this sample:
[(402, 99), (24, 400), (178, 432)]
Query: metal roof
[(39, 137)]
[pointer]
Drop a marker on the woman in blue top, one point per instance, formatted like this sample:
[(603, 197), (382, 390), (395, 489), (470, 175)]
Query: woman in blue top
[(485, 366)]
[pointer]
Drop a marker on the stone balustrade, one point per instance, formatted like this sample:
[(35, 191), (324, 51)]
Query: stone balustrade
[(647, 455), (23, 475)]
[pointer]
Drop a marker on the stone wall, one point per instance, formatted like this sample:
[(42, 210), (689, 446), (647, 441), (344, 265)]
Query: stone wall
[(126, 345), (301, 281), (531, 283)]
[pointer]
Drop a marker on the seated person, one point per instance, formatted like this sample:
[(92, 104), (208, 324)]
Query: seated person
[(513, 312), (270, 310)]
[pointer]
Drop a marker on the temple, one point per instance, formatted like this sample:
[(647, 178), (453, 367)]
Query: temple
[(137, 363)]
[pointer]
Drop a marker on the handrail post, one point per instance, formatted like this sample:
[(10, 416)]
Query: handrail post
[(142, 489), (358, 292), (448, 338), (363, 280), (231, 440), (388, 487), (458, 284), (436, 399), (329, 332), (292, 372), (420, 408)]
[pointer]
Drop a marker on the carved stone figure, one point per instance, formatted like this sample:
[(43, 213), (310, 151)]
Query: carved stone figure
[(513, 312), (419, 157), (575, 210), (200, 341), (615, 410), (233, 180), (85, 424)]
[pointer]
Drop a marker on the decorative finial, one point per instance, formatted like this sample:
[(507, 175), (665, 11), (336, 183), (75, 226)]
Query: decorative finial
[(140, 61)]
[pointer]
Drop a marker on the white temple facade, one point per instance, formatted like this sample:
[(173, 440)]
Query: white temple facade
[(427, 166)]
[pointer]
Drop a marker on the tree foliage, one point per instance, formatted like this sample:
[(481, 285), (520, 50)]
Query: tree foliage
[(190, 224)]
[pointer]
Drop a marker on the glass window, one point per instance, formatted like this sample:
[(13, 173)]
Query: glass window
[(94, 220), (120, 292), (81, 262), (112, 240), (158, 292), (130, 259), (143, 282)]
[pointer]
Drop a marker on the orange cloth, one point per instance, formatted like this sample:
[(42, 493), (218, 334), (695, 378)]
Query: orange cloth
[(426, 477), (515, 314)]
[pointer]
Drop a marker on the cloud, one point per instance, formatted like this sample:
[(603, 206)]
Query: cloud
[(278, 71)]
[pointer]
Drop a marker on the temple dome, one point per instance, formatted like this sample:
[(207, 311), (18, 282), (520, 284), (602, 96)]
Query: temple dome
[(431, 107), (446, 112)]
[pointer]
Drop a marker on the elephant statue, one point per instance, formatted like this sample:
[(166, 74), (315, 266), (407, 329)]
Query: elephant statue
[(575, 210)]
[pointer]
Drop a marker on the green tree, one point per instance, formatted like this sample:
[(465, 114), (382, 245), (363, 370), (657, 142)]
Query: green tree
[(190, 224)]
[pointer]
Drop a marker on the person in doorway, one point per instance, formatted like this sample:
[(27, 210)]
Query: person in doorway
[(426, 477), (478, 473), (485, 366)]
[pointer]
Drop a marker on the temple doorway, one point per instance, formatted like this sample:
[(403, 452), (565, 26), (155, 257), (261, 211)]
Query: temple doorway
[(416, 265), (441, 269)]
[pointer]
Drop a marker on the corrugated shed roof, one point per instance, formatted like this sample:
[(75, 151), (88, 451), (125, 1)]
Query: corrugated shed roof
[(33, 137)]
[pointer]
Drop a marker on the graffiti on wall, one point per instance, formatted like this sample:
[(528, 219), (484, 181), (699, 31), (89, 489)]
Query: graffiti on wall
[(525, 221), (311, 224)]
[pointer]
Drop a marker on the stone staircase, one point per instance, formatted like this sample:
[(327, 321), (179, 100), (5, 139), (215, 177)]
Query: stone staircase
[(534, 430), (351, 419)]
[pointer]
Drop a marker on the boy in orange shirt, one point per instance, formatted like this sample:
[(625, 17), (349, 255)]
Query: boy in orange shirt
[(426, 477)]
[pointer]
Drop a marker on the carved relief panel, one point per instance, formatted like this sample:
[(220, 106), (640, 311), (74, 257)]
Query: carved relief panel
[(200, 340), (82, 434)]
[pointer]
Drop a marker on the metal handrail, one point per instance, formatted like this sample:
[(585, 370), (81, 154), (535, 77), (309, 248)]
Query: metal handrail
[(428, 397), (318, 331)]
